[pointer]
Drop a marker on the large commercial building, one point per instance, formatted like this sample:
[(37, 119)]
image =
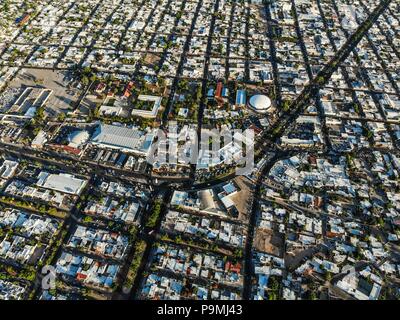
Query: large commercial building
[(123, 138), (62, 182)]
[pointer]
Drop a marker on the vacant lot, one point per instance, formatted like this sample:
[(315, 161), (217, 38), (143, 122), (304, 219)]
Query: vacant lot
[(243, 198), (269, 241), (63, 96)]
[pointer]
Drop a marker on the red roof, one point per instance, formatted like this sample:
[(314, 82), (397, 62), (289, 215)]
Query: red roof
[(24, 20), (218, 91), (128, 89), (233, 267), (71, 150), (81, 276), (331, 234)]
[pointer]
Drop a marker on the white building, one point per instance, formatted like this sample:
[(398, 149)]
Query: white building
[(260, 103), (123, 138)]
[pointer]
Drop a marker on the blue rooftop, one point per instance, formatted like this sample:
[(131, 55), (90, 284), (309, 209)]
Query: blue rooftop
[(241, 97)]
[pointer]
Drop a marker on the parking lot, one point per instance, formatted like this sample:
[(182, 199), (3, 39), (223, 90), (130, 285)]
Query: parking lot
[(63, 96)]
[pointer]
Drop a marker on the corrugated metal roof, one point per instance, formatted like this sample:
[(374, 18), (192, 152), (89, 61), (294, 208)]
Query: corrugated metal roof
[(118, 136)]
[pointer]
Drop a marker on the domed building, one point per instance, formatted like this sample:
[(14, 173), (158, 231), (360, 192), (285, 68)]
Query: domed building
[(78, 138), (260, 103)]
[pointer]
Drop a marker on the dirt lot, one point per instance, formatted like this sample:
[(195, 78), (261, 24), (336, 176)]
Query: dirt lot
[(152, 59), (62, 97), (243, 197), (269, 241)]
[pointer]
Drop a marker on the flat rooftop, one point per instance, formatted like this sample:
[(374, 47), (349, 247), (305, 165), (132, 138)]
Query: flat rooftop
[(62, 182), (131, 139)]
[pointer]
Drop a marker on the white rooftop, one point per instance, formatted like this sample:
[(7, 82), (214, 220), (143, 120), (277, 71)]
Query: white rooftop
[(62, 182), (131, 139)]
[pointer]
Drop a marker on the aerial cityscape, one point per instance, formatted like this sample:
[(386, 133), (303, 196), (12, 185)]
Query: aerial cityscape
[(199, 150)]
